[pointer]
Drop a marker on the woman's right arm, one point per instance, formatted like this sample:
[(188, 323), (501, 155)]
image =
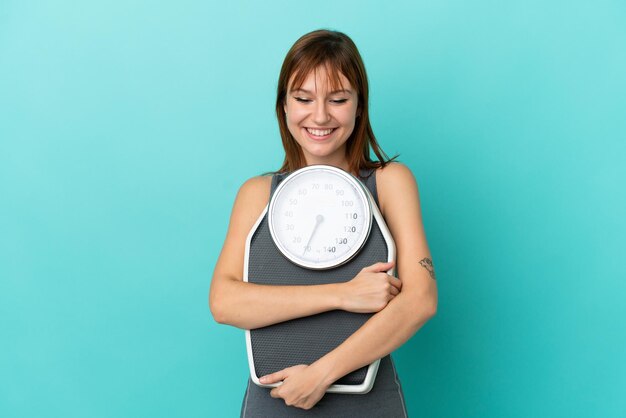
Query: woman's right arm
[(248, 305)]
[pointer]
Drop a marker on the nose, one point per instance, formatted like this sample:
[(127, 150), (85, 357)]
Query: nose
[(321, 116)]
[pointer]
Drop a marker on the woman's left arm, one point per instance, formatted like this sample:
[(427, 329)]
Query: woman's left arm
[(303, 386)]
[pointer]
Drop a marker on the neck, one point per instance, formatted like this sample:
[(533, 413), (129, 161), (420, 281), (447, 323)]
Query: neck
[(341, 162)]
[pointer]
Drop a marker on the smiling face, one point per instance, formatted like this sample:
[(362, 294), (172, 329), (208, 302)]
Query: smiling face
[(321, 118)]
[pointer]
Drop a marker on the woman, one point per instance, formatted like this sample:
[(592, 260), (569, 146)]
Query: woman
[(322, 109)]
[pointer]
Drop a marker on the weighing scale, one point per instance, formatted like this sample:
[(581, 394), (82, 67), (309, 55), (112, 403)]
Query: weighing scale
[(321, 225)]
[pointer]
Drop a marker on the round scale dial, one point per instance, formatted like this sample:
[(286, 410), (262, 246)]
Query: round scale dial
[(320, 216)]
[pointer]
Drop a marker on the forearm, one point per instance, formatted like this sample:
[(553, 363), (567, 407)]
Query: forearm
[(380, 335), (249, 305)]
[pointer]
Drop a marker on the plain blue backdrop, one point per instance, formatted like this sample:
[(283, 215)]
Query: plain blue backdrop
[(127, 127)]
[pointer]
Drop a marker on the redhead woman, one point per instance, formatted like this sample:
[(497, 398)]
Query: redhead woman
[(322, 110)]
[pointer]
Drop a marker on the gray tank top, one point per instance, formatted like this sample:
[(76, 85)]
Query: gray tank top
[(386, 399)]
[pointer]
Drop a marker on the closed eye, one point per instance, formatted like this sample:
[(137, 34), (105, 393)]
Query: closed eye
[(303, 100)]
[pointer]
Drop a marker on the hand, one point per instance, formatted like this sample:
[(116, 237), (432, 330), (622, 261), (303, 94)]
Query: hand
[(303, 386), (371, 289)]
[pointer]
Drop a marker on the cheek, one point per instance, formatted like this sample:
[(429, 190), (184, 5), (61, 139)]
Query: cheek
[(297, 113), (293, 118), (348, 118), (347, 115), (293, 122)]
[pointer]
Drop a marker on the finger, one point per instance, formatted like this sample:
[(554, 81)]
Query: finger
[(274, 377), (395, 282), (274, 393), (391, 269), (394, 291), (280, 375), (381, 266)]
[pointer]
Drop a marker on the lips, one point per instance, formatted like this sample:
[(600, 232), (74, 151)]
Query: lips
[(319, 132)]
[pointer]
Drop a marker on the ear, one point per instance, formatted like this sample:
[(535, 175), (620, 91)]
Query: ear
[(285, 106)]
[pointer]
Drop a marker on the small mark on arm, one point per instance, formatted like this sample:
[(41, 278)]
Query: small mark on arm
[(427, 263)]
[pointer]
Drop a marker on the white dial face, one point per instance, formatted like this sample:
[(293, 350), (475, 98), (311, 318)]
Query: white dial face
[(320, 216)]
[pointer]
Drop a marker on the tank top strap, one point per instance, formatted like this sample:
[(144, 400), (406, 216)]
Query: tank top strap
[(276, 179), (367, 177)]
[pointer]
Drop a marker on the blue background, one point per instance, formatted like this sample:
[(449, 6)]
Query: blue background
[(127, 127)]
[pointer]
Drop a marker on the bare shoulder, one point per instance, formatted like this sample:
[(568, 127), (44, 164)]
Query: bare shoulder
[(395, 181), (252, 197), (399, 203)]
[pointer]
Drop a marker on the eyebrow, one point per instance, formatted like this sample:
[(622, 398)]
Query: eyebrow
[(332, 92)]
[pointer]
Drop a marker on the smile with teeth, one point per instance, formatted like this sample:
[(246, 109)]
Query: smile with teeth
[(320, 132)]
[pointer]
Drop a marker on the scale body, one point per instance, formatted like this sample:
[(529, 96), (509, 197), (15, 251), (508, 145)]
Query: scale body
[(267, 261)]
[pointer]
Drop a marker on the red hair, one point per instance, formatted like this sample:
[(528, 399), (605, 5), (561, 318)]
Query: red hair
[(336, 52)]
